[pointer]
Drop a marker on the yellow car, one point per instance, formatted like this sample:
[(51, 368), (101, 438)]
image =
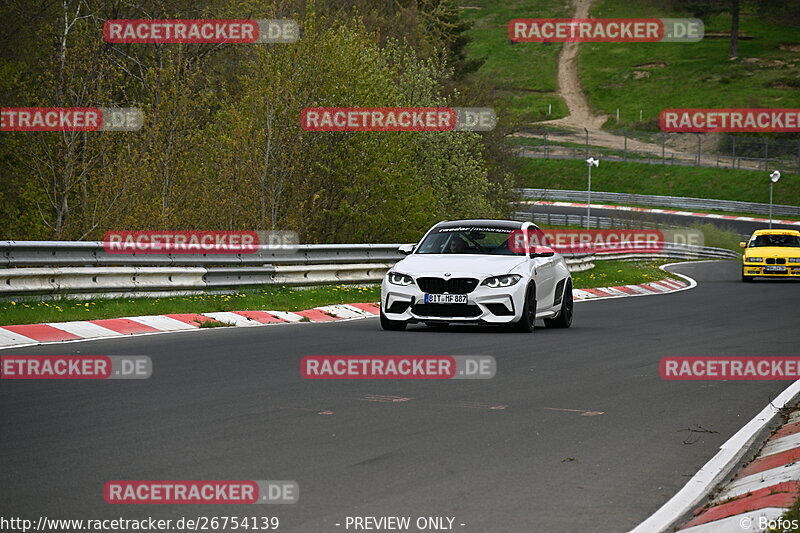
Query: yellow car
[(771, 253)]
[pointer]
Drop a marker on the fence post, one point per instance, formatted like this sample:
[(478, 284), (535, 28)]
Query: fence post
[(733, 162), (663, 145), (699, 142), (546, 150), (625, 136), (766, 154), (587, 141)]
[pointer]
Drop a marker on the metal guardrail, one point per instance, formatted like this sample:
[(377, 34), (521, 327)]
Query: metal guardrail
[(678, 202), (92, 253), (557, 219), (49, 268)]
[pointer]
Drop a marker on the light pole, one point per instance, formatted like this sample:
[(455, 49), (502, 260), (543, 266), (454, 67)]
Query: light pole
[(773, 179), (590, 162)]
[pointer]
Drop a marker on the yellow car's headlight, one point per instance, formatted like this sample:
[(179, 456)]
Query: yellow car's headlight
[(794, 259), (754, 259)]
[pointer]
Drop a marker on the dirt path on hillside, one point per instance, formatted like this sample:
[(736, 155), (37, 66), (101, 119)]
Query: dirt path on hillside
[(580, 114), (569, 84)]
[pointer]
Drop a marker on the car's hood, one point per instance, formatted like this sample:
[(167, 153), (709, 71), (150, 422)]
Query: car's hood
[(773, 251), (488, 265)]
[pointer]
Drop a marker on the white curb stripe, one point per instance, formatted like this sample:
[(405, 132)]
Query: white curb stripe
[(161, 322), (339, 311), (360, 311), (9, 338), (615, 292), (639, 289), (760, 480), (84, 329), (781, 445), (661, 285), (289, 317), (232, 318), (583, 295)]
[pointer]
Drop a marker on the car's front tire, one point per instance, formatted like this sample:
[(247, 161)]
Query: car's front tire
[(747, 278), (526, 321), (392, 325), (564, 318)]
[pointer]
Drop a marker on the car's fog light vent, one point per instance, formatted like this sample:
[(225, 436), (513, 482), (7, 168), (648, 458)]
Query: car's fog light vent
[(499, 309), (398, 307)]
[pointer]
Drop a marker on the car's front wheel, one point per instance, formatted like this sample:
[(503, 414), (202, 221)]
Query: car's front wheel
[(564, 318), (747, 278), (526, 321), (392, 325)]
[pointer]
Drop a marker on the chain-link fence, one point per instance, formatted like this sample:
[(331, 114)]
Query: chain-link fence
[(720, 151)]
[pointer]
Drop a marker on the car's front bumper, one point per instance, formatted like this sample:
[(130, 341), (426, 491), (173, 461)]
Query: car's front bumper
[(792, 270), (484, 305)]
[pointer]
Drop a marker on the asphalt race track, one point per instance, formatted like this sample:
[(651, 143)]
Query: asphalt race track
[(742, 227), (514, 453)]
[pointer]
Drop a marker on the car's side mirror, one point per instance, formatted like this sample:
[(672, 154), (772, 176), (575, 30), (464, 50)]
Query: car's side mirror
[(743, 244), (542, 251), (406, 249)]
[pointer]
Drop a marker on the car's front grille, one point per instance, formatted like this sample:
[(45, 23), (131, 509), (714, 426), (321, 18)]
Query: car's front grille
[(449, 310), (773, 261), (452, 286)]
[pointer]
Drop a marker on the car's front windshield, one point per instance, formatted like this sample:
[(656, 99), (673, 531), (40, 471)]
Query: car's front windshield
[(469, 240), (776, 240)]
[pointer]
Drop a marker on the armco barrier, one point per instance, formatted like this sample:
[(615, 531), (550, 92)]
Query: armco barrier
[(677, 202), (107, 275), (92, 253)]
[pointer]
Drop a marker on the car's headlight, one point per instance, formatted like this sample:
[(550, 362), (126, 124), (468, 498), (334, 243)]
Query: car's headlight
[(395, 278), (501, 281), (754, 259), (794, 259)]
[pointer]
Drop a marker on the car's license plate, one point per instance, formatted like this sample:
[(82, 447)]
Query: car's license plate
[(774, 268), (445, 298)]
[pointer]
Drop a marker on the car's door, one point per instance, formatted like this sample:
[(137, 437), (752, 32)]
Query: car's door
[(543, 270), (544, 274)]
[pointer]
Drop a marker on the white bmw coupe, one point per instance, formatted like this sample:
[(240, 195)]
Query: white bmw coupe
[(478, 272)]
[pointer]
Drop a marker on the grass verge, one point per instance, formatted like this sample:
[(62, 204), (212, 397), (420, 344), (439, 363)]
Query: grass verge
[(25, 311), (665, 180), (614, 273), (524, 75), (652, 76), (21, 311)]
